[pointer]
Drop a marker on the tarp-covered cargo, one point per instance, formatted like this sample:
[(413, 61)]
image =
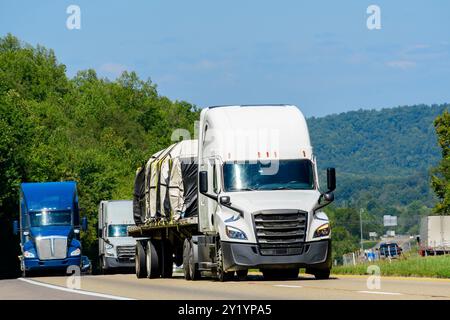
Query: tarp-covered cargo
[(166, 188)]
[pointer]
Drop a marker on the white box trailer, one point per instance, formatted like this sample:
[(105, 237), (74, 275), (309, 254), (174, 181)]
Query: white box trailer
[(435, 235), (116, 248), (255, 199)]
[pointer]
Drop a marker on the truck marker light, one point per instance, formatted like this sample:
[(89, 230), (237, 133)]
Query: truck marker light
[(259, 154), (267, 154)]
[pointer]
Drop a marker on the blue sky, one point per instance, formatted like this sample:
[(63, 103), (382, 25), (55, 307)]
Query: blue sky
[(319, 55)]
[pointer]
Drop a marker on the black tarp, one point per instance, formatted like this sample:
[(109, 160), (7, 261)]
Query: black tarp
[(139, 197), (189, 169)]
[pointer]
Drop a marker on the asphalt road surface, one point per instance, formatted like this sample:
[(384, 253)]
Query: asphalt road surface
[(127, 286)]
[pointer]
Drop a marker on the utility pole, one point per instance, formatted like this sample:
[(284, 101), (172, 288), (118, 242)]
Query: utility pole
[(361, 229)]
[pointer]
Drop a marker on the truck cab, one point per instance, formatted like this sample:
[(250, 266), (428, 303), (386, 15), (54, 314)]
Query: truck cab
[(49, 226), (116, 248)]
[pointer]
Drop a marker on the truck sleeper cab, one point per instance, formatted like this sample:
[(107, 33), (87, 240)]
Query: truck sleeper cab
[(49, 226)]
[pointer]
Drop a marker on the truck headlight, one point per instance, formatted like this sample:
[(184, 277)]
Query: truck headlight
[(109, 246), (75, 252), (322, 231), (29, 254), (235, 233)]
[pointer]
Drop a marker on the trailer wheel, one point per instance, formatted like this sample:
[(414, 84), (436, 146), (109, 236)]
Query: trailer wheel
[(166, 259), (193, 269), (141, 267), (186, 251), (152, 262)]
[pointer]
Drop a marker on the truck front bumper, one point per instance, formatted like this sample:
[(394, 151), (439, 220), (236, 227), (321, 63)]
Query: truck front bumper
[(112, 262), (237, 256), (35, 264)]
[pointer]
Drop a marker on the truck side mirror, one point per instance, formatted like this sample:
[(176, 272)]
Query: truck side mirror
[(99, 233), (225, 200), (331, 179), (84, 223), (203, 181), (15, 227)]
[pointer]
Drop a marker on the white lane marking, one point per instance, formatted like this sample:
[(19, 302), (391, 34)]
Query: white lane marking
[(382, 292), (286, 286), (88, 293)]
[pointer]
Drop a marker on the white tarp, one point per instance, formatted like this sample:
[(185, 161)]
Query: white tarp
[(164, 180)]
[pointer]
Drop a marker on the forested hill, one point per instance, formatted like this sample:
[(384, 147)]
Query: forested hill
[(398, 141), (385, 152)]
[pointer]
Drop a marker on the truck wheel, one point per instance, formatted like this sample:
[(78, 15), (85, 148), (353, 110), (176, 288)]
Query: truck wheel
[(186, 251), (152, 262), (166, 259), (193, 269), (141, 267), (242, 275), (321, 274), (280, 274), (222, 275)]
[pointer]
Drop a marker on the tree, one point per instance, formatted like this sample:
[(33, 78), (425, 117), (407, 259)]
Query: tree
[(440, 180)]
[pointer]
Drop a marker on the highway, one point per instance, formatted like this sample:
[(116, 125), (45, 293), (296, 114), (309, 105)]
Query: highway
[(127, 286)]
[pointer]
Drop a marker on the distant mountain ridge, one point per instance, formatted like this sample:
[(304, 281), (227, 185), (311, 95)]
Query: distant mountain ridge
[(396, 145)]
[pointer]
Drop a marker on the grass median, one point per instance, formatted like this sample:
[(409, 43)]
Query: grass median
[(415, 266)]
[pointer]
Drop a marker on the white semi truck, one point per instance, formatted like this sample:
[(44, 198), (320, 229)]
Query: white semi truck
[(435, 235), (116, 248), (254, 201)]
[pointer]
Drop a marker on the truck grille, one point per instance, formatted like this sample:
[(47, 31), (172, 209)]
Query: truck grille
[(125, 252), (50, 248), (280, 232)]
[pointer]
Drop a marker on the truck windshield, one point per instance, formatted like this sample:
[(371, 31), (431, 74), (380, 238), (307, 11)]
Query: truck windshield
[(295, 174), (117, 230), (51, 218)]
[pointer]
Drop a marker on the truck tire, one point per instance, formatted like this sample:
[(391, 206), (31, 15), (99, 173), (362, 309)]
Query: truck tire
[(186, 251), (194, 273), (140, 258), (242, 275), (166, 259), (152, 261), (322, 274), (280, 274), (222, 275)]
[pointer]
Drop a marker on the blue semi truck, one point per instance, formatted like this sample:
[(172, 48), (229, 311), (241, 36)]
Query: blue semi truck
[(49, 226)]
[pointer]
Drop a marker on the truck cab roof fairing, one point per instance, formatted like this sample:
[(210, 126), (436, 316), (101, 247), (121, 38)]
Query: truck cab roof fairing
[(255, 132), (49, 195)]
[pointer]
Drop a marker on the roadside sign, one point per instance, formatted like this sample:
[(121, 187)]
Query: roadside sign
[(373, 234), (389, 221)]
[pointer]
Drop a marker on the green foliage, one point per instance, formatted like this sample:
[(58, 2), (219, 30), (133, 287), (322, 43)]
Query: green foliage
[(440, 181), (91, 130), (436, 267)]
